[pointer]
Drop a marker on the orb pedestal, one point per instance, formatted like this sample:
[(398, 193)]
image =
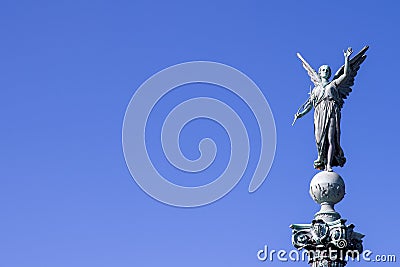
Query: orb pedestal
[(327, 189), (327, 239)]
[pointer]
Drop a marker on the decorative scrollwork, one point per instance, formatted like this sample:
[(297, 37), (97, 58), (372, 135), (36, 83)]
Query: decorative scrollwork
[(300, 239), (323, 235)]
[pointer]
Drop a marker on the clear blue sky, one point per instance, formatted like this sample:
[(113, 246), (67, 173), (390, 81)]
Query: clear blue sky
[(68, 70)]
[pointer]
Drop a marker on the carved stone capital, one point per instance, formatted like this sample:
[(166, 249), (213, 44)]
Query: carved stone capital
[(327, 241)]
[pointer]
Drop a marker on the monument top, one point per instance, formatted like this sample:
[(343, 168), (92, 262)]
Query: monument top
[(327, 98)]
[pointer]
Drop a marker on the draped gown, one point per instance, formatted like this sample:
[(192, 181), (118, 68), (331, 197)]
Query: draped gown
[(326, 103)]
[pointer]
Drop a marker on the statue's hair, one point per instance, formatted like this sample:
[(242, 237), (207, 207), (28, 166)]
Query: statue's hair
[(329, 68)]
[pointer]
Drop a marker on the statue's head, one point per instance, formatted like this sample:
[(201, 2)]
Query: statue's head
[(324, 71)]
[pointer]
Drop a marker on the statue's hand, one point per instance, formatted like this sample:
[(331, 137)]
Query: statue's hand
[(348, 52), (296, 116)]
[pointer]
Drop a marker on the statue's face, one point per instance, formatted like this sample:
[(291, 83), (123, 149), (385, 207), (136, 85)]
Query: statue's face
[(324, 71)]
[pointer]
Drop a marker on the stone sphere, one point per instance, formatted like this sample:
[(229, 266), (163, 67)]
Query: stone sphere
[(327, 187)]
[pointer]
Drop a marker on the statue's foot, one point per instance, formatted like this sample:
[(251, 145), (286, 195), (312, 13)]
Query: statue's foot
[(319, 165), (329, 169)]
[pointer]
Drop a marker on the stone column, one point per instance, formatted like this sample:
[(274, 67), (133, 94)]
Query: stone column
[(327, 239)]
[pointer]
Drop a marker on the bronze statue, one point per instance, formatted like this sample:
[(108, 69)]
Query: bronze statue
[(327, 98)]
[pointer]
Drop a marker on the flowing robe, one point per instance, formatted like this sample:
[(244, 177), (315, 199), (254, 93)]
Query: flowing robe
[(325, 101)]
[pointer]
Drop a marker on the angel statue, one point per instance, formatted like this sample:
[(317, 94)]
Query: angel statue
[(327, 98)]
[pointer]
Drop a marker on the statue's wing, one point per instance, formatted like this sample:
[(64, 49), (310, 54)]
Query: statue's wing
[(344, 88), (311, 72)]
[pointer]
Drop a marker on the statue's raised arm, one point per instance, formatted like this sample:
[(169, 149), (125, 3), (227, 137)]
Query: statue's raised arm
[(327, 98), (345, 80)]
